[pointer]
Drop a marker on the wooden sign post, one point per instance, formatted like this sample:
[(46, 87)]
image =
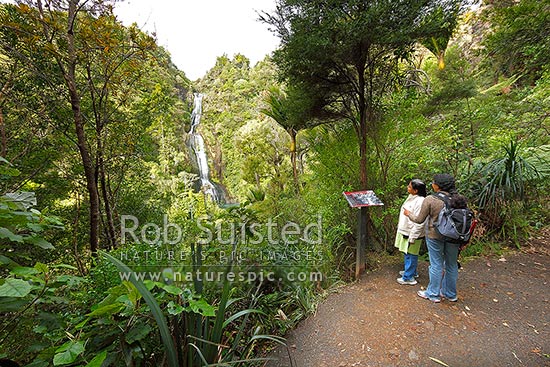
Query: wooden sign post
[(361, 200)]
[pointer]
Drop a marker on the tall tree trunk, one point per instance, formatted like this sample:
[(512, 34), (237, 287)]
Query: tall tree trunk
[(70, 79), (89, 171), (363, 155), (363, 234), (100, 112), (111, 236), (363, 115)]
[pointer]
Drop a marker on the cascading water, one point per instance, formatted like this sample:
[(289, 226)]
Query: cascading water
[(196, 144), (197, 112)]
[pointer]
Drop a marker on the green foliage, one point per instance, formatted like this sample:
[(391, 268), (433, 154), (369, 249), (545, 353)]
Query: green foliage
[(347, 53), (97, 361), (231, 119), (24, 287), (506, 177), (16, 288), (261, 145), (332, 165), (126, 88), (68, 353), (155, 310), (118, 326), (275, 100), (518, 44), (505, 188), (444, 20), (22, 224)]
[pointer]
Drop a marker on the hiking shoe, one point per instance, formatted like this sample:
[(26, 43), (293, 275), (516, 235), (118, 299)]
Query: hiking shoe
[(422, 294), (402, 272), (407, 282), (454, 299)]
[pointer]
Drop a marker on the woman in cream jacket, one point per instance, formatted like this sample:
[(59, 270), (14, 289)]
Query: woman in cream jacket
[(409, 234)]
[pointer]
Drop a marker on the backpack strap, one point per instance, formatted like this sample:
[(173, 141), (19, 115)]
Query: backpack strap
[(446, 206), (445, 198)]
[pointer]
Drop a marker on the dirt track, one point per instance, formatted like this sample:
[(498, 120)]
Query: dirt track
[(502, 318)]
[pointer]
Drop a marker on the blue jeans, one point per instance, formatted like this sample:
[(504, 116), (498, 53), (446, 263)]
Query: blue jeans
[(443, 268), (411, 262)]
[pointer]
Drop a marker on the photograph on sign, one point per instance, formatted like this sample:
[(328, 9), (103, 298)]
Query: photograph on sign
[(362, 198)]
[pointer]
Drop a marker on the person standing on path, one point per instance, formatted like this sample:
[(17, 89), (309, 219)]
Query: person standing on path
[(409, 234), (443, 255)]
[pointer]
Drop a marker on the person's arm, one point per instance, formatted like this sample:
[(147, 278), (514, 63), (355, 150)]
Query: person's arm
[(422, 215), (417, 230)]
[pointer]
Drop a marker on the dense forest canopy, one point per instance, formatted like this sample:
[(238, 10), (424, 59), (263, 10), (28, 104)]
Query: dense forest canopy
[(95, 143)]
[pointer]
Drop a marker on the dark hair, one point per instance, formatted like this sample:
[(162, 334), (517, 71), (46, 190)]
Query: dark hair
[(446, 182), (419, 186), (458, 201)]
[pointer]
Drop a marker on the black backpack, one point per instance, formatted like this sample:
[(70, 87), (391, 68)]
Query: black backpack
[(455, 225)]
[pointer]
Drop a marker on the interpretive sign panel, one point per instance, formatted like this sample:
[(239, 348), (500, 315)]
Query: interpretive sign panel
[(361, 200), (357, 199)]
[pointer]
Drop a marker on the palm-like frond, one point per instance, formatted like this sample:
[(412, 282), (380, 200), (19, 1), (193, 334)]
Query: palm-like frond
[(276, 109), (506, 176)]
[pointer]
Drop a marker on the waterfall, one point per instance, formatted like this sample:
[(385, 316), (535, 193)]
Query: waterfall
[(197, 112), (196, 145)]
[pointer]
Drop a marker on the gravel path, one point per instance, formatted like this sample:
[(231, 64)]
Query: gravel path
[(502, 318)]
